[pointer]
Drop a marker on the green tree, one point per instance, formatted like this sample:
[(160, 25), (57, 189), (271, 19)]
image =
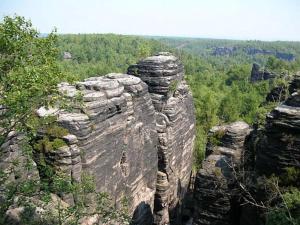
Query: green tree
[(29, 73)]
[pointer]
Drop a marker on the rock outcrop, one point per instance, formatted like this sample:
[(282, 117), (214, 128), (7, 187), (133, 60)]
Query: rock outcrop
[(279, 147), (277, 94), (133, 134), (259, 75), (231, 51), (67, 56), (215, 192), (175, 124), (115, 134), (15, 164), (295, 84)]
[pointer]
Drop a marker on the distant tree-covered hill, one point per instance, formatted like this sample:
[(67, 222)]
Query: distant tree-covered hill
[(99, 54), (231, 51)]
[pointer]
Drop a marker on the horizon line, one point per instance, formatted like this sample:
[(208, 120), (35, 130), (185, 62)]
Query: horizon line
[(177, 36)]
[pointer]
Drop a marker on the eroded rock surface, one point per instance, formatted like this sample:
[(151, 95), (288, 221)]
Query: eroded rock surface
[(280, 145), (215, 194), (133, 134), (115, 133), (175, 124), (277, 94), (15, 164), (258, 75)]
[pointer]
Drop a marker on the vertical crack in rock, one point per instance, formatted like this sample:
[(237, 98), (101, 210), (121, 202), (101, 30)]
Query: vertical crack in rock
[(215, 191), (175, 125), (124, 165)]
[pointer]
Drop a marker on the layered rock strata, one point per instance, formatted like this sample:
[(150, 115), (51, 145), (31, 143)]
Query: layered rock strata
[(175, 125), (115, 132), (215, 185), (133, 134), (279, 147)]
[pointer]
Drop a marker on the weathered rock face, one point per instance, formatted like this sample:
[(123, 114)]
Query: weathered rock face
[(133, 134), (15, 163), (295, 84), (228, 51), (259, 75), (160, 72), (175, 124), (256, 74), (215, 193), (115, 132), (281, 143), (277, 94)]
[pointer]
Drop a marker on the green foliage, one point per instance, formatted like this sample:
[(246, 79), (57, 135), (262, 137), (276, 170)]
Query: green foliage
[(99, 54), (29, 72), (282, 202), (45, 145), (275, 64), (278, 217), (204, 48), (288, 212), (215, 138), (88, 183), (291, 176), (56, 131), (292, 198), (61, 183), (57, 143), (173, 86), (224, 96), (219, 84), (261, 112)]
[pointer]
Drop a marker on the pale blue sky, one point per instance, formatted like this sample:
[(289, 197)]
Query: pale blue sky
[(236, 19)]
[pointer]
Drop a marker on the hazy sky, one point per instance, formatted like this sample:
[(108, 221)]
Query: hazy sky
[(237, 19)]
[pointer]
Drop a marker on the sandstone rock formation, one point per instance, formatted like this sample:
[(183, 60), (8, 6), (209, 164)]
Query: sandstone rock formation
[(279, 148), (295, 84), (133, 134), (175, 124), (15, 164), (215, 193), (277, 94), (114, 135), (258, 75)]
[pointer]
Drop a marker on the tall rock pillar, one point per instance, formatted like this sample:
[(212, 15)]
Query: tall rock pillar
[(175, 125)]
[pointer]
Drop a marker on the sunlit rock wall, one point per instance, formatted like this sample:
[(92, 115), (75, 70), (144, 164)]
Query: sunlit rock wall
[(175, 124)]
